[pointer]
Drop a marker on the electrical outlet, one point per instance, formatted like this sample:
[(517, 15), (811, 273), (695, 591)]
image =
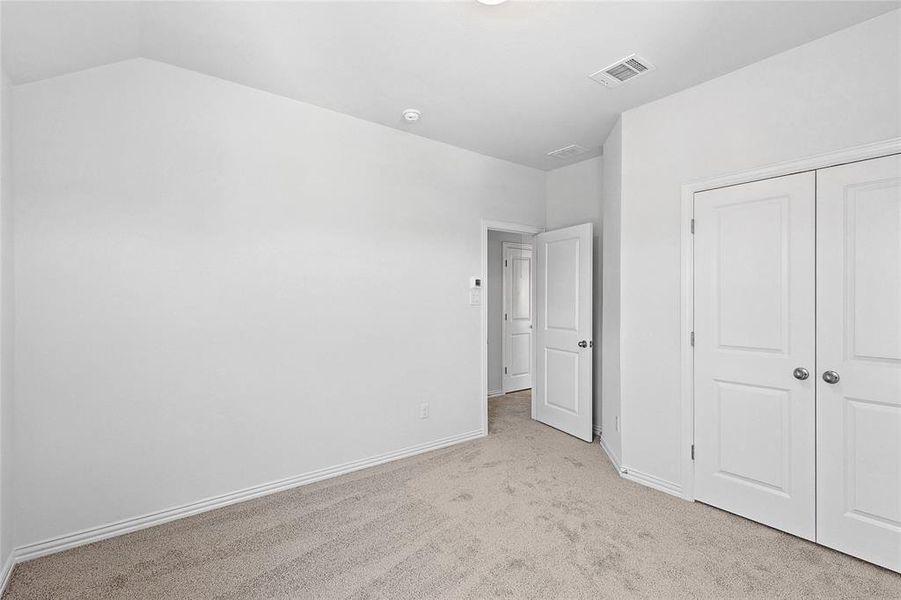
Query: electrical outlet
[(424, 410), (475, 296)]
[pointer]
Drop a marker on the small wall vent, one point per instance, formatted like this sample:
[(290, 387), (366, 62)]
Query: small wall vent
[(568, 151), (622, 70)]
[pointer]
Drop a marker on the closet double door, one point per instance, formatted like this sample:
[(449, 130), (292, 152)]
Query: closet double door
[(797, 379)]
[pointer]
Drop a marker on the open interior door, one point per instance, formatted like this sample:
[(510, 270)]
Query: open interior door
[(563, 357)]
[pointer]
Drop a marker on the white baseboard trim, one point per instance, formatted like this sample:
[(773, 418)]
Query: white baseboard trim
[(597, 430), (613, 458), (7, 571), (95, 534), (644, 479), (493, 393), (650, 481)]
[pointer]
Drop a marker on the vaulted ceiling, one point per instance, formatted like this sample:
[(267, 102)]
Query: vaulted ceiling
[(508, 81)]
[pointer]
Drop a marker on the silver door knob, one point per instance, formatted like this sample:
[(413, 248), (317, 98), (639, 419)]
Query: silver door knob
[(831, 377), (583, 344), (801, 373)]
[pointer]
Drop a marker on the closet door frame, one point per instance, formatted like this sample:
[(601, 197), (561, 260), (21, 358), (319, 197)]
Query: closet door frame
[(811, 163)]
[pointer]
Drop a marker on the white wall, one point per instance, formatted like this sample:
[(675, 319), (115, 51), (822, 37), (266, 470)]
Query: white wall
[(6, 323), (840, 91), (610, 310), (574, 197), (217, 287), (574, 194), (494, 288)]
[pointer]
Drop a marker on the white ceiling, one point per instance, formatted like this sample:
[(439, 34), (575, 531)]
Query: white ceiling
[(508, 81)]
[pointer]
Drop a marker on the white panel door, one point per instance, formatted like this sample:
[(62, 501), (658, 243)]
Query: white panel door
[(859, 340), (563, 330), (754, 325), (517, 346)]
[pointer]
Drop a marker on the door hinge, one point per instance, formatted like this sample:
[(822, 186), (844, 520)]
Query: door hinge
[(505, 316), (505, 260), (692, 452), (692, 338), (692, 225), (505, 370)]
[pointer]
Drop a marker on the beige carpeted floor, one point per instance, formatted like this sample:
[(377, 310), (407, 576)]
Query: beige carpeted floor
[(528, 512)]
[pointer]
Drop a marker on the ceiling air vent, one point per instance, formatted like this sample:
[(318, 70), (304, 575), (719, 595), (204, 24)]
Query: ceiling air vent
[(568, 151), (622, 71)]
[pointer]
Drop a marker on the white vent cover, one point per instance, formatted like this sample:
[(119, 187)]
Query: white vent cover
[(622, 71), (568, 151)]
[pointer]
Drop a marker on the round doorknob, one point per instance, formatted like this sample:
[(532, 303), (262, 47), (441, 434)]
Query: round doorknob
[(801, 373), (583, 344), (831, 377)]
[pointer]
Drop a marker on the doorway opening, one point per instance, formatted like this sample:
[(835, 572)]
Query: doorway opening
[(507, 310), (536, 329), (510, 312)]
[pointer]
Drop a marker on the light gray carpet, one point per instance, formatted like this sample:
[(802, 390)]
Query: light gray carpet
[(528, 512)]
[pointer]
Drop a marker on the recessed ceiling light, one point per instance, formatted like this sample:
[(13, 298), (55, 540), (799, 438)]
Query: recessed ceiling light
[(411, 114), (491, 2)]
